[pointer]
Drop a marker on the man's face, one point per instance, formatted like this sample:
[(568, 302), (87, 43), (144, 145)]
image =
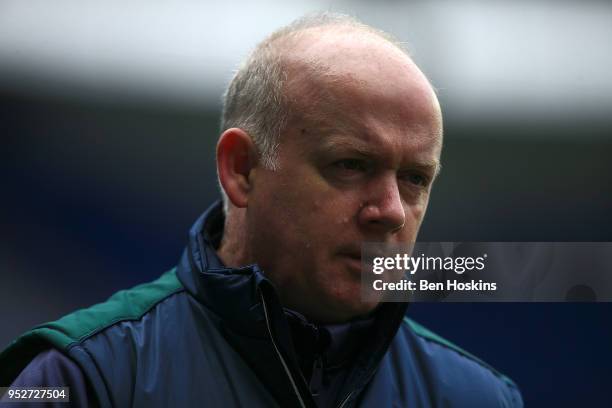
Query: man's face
[(355, 163)]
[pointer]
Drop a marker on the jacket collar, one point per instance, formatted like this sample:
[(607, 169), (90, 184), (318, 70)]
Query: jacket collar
[(241, 298), (231, 293)]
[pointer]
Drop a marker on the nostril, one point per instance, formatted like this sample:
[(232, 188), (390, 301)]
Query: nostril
[(385, 218), (398, 228)]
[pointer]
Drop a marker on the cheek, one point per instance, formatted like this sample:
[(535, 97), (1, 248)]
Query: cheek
[(414, 217), (304, 208), (416, 212)]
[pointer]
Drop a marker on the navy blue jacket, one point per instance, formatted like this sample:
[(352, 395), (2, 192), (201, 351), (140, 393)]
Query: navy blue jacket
[(206, 335)]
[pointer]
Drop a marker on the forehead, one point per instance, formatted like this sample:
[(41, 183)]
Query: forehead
[(360, 90), (368, 138)]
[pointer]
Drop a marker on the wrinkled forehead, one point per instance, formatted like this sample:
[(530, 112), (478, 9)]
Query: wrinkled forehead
[(342, 77)]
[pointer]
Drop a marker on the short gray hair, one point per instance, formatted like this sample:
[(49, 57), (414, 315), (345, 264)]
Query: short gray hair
[(254, 100)]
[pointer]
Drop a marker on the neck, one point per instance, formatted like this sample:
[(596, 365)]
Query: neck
[(232, 251)]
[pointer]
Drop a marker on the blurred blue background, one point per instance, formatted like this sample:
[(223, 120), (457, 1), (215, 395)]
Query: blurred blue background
[(109, 117)]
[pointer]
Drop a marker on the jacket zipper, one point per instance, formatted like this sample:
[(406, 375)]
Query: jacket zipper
[(345, 400), (284, 363), (280, 356)]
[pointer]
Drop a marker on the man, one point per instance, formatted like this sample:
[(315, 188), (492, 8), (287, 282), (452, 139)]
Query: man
[(331, 136)]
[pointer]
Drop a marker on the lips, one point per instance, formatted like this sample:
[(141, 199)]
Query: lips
[(352, 252), (351, 255)]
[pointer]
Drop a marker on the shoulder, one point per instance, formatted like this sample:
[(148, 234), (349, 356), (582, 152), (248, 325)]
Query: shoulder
[(450, 372), (51, 368), (73, 334), (451, 350)]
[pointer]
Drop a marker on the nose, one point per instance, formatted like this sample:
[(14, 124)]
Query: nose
[(383, 210)]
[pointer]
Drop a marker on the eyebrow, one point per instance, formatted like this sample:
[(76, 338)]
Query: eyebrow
[(433, 166), (361, 148), (340, 142)]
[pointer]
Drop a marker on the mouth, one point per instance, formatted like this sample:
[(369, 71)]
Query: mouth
[(352, 257)]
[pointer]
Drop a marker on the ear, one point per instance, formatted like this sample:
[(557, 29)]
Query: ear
[(236, 159)]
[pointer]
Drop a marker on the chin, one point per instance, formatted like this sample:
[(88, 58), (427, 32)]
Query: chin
[(350, 310)]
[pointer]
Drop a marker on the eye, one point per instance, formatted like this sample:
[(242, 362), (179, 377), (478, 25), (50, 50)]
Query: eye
[(416, 179), (350, 165)]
